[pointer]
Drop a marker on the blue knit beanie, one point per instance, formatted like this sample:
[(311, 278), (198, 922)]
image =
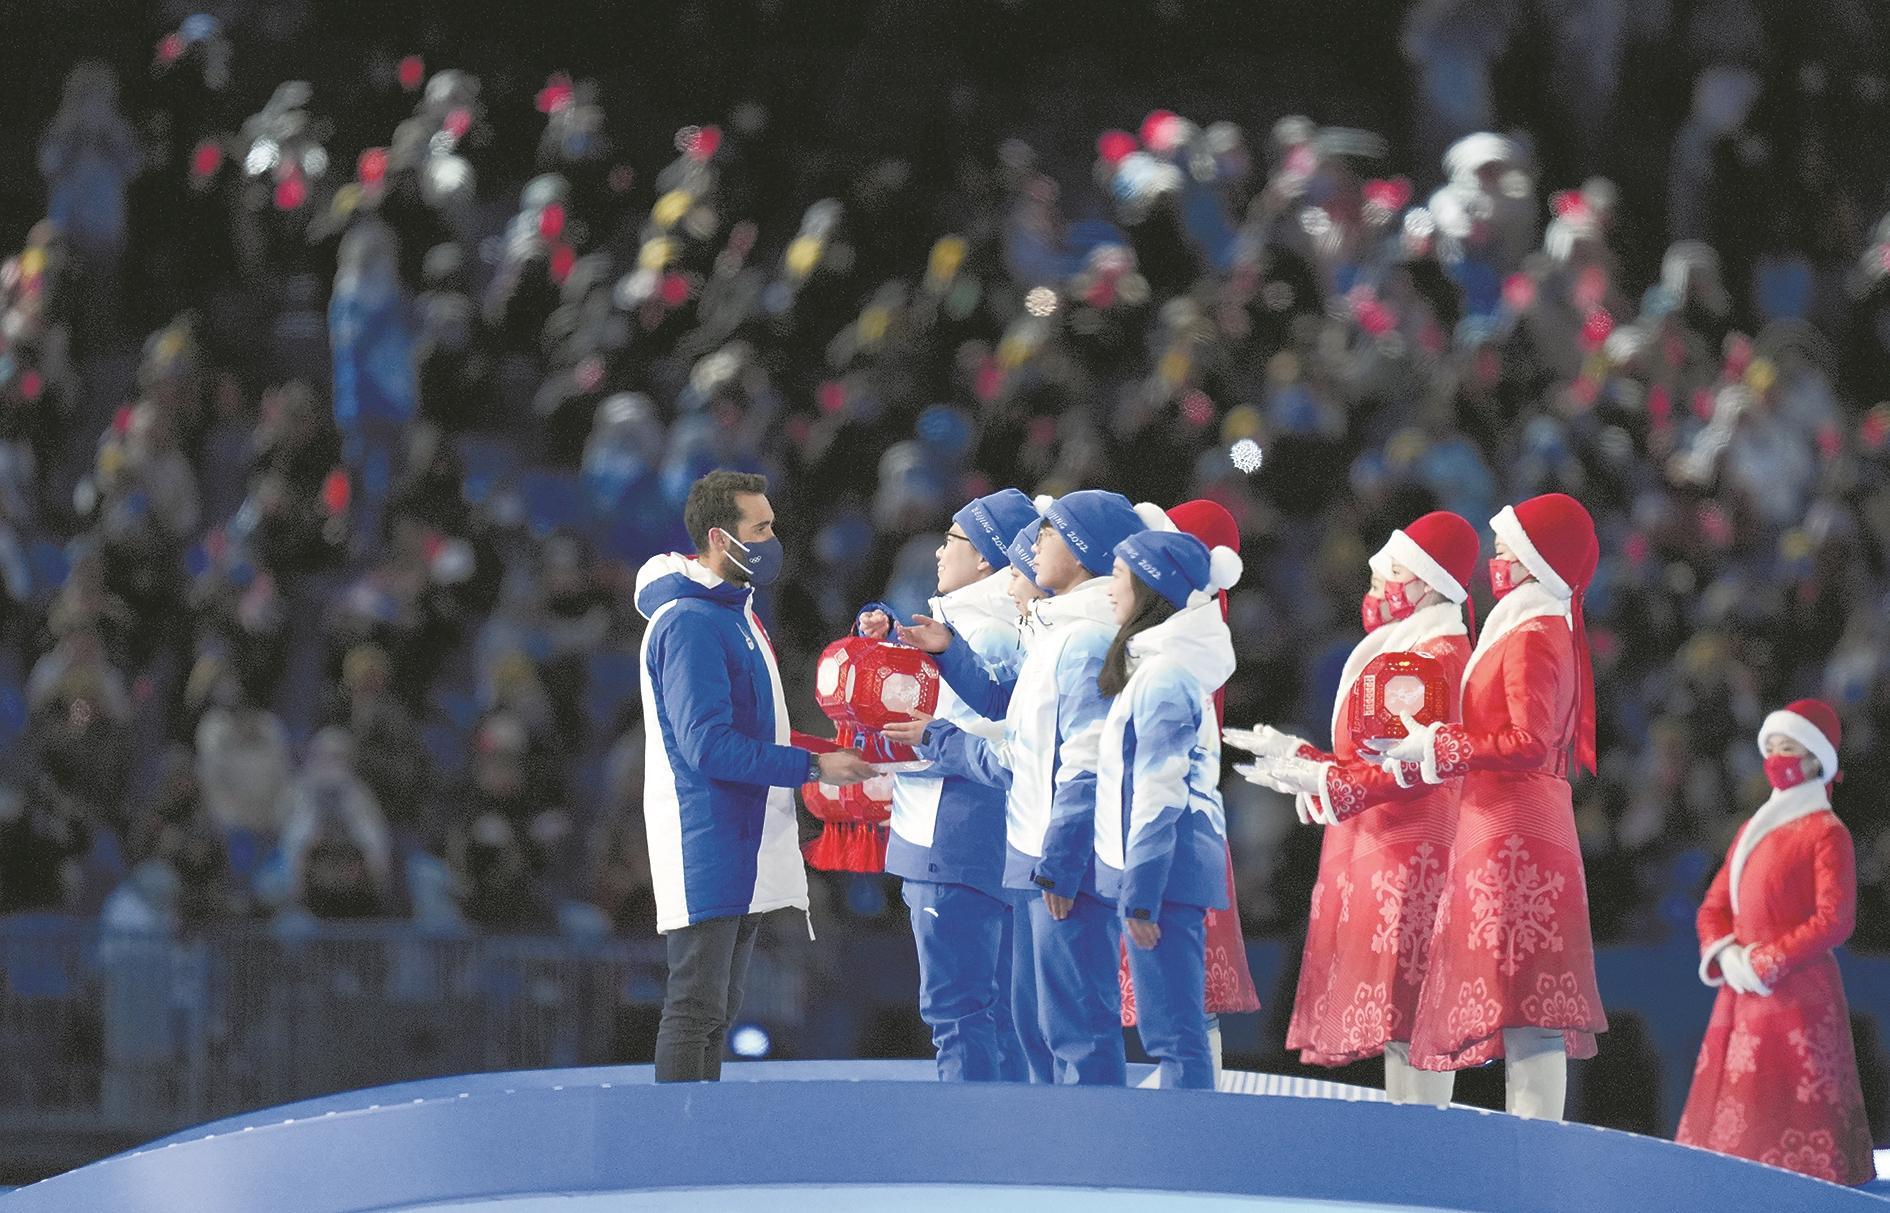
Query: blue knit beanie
[(1092, 522), (991, 521), (1178, 566), (1022, 550)]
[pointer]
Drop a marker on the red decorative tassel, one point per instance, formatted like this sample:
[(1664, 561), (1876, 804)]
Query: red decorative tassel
[(848, 846)]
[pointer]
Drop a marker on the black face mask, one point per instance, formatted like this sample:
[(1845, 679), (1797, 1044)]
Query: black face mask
[(759, 562)]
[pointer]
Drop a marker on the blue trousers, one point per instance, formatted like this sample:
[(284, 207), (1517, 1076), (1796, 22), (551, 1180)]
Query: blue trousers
[(1171, 997), (964, 944), (1079, 996), (1035, 1063)]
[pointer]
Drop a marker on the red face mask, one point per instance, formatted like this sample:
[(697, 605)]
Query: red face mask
[(1397, 604), (1502, 576), (1784, 770), (1368, 613)]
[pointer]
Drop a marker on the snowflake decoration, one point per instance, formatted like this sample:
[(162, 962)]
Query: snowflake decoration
[(1247, 456), (1408, 896), (1514, 906)]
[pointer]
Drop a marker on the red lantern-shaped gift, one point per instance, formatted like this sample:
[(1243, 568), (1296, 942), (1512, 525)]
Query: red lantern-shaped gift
[(1392, 686), (869, 684), (863, 685), (853, 819)]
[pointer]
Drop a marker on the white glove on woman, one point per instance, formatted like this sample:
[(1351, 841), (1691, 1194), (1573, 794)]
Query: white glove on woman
[(1412, 747), (1265, 773), (1300, 775), (1262, 773), (1264, 740), (1305, 778), (1740, 974)]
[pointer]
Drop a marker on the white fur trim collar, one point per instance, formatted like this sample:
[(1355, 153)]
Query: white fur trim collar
[(1427, 623), (1530, 600), (1781, 809)]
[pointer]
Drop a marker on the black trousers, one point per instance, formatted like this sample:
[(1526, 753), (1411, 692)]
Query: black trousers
[(708, 968)]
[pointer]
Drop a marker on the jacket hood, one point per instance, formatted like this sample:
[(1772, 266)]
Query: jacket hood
[(663, 579), (1196, 639)]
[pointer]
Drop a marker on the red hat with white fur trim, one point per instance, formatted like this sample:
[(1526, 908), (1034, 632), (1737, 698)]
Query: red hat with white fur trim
[(1812, 724), (1207, 521), (1553, 537), (1210, 522), (1441, 548)]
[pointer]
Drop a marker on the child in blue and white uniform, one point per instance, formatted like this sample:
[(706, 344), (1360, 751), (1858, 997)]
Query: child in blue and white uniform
[(1024, 590), (1052, 708), (947, 831), (1161, 834)]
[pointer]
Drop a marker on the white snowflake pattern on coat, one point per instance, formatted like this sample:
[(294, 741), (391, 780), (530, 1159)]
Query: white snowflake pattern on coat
[(1513, 906)]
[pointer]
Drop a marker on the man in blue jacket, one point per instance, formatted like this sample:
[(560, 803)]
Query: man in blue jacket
[(948, 831), (718, 772)]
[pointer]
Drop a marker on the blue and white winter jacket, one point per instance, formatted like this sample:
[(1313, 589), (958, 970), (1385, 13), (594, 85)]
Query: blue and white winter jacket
[(1050, 706), (1161, 832), (718, 774), (949, 828)]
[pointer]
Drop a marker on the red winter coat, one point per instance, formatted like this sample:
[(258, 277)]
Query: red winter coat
[(1512, 947), (1363, 970), (1777, 1079)]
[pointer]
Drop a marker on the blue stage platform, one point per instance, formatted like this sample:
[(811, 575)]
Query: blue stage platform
[(839, 1136)]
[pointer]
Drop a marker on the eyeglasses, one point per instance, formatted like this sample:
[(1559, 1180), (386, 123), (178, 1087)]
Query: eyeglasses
[(951, 535)]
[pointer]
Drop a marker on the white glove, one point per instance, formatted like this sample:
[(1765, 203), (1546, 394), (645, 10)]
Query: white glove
[(1300, 775), (1264, 740), (1740, 974), (1412, 747), (1312, 811), (1263, 773)]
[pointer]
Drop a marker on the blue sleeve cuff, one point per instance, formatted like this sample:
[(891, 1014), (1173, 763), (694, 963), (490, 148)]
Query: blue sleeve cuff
[(898, 620), (971, 681), (1069, 848), (959, 662), (1142, 890), (933, 741), (794, 766), (1065, 887)]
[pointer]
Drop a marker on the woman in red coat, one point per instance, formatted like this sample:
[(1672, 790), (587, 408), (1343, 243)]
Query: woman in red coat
[(1512, 965), (1777, 1079), (1381, 875), (1230, 989)]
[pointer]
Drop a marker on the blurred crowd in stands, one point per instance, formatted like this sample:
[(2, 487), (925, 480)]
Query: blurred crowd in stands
[(339, 400)]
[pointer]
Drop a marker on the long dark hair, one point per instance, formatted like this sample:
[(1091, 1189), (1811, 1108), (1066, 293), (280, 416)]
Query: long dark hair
[(1150, 609)]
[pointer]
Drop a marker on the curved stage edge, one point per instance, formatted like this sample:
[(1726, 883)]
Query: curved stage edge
[(840, 1136)]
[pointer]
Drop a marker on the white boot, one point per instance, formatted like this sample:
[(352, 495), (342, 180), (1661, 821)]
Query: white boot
[(1537, 1072), (1405, 1083), (1397, 1071)]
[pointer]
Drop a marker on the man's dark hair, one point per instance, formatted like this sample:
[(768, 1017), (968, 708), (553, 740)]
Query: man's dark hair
[(712, 506)]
